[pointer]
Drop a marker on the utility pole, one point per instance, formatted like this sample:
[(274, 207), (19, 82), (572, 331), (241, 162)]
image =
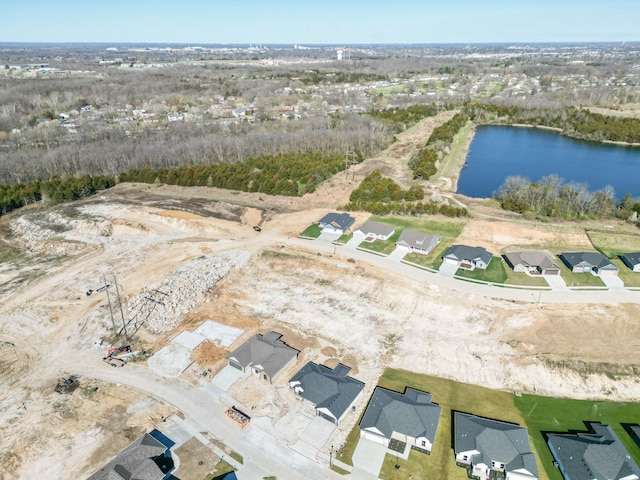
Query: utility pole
[(124, 324), (350, 158), (106, 288)]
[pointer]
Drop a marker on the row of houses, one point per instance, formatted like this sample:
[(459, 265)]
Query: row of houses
[(470, 258)]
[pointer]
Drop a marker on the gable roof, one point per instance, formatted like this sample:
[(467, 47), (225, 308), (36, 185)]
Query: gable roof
[(597, 453), (337, 220), (632, 258), (326, 388), (495, 440), (411, 238), (410, 413), (594, 259), (464, 252), (376, 228), (266, 351), (135, 462), (530, 259)]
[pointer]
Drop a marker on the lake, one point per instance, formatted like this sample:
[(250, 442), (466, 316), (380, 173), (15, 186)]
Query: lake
[(498, 152)]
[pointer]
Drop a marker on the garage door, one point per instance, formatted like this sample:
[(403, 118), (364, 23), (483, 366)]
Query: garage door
[(235, 365), (373, 437), (327, 417)]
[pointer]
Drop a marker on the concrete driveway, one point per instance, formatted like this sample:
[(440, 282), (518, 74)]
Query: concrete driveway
[(354, 242), (397, 255), (556, 282), (329, 237), (613, 282), (368, 458), (314, 437), (226, 377), (447, 269)]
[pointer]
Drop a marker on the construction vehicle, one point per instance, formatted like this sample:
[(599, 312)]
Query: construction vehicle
[(114, 361), (120, 351)]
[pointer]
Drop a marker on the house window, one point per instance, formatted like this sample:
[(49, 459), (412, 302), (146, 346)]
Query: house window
[(465, 458), (264, 375), (424, 444)]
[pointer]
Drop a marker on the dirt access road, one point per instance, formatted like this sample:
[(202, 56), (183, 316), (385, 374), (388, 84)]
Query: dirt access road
[(334, 306)]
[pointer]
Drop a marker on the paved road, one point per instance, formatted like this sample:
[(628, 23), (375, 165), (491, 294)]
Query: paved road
[(523, 295), (262, 454)]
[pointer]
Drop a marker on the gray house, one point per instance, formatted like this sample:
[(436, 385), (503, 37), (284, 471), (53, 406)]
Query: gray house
[(265, 355), (417, 242), (372, 231), (588, 262), (409, 417), (596, 454), (336, 222), (632, 260), (490, 448), (145, 459), (331, 391), (533, 263), (467, 258)]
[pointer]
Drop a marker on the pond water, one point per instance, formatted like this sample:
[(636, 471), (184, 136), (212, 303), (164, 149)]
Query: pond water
[(498, 152)]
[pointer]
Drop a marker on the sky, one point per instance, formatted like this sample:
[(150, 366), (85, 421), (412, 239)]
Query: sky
[(319, 21)]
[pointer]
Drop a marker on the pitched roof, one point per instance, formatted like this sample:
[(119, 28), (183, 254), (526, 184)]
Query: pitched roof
[(135, 462), (633, 258), (531, 259), (597, 454), (266, 351), (410, 413), (495, 440), (595, 259), (422, 240), (376, 228), (338, 220), (326, 388), (464, 252)]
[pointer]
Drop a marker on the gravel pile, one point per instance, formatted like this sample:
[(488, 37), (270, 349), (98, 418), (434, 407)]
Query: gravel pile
[(181, 292)]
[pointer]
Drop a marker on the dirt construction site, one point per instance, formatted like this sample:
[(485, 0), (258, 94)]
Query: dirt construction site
[(188, 260)]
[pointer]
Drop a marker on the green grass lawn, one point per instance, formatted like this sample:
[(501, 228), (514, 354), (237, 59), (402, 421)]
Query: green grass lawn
[(222, 468), (448, 229), (499, 272), (384, 247), (495, 272), (629, 277), (578, 279), (312, 231), (345, 238), (449, 395), (561, 414)]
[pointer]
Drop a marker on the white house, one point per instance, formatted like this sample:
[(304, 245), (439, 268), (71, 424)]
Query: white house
[(371, 231)]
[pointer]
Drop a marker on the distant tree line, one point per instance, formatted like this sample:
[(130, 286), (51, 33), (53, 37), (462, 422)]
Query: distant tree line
[(382, 196), (424, 163), (550, 197), (292, 174), (573, 122)]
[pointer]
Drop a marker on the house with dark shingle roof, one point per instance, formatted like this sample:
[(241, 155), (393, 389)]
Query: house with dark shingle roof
[(488, 447), (331, 391), (265, 355), (417, 242), (631, 260), (588, 262), (532, 262), (336, 222), (409, 417), (145, 459), (596, 454), (467, 258), (372, 231)]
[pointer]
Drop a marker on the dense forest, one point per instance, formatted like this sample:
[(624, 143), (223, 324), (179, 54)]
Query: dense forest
[(382, 196), (551, 197), (425, 163)]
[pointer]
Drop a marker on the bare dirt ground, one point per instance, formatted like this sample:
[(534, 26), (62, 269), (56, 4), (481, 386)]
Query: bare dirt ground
[(332, 309)]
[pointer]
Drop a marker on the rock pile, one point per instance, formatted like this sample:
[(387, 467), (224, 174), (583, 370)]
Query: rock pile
[(162, 306)]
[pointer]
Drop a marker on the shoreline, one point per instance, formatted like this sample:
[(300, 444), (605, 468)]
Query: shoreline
[(560, 131)]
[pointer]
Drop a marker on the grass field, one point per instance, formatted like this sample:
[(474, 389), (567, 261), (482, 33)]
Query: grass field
[(629, 277), (452, 163), (312, 231), (546, 414), (614, 245)]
